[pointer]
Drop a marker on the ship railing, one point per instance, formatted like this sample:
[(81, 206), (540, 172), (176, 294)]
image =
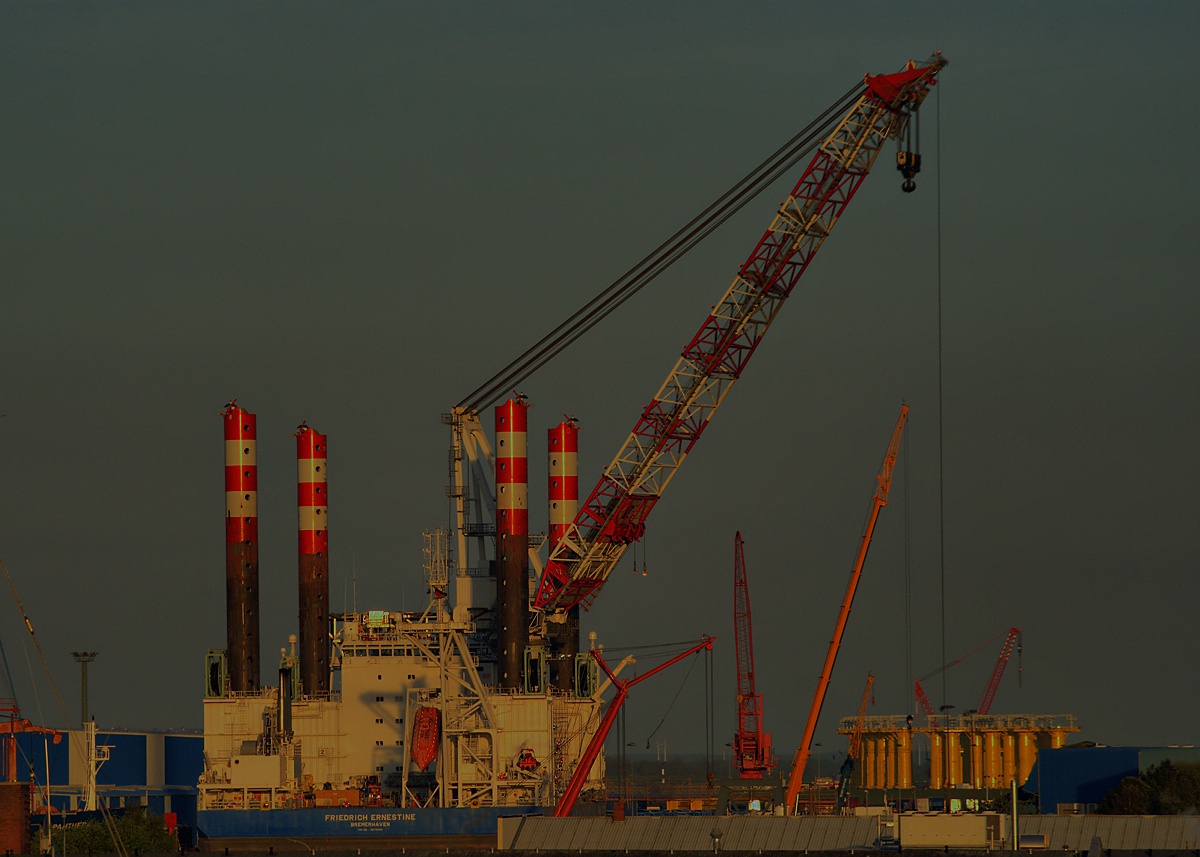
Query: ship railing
[(327, 696)]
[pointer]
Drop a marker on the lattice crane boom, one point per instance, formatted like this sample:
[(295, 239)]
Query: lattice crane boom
[(615, 513), (751, 746), (1013, 638)]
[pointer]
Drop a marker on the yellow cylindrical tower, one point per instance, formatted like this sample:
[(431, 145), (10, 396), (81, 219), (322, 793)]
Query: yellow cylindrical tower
[(904, 759), (954, 758), (1057, 738), (868, 768), (992, 772), (1027, 754), (977, 760), (1010, 758), (937, 779)]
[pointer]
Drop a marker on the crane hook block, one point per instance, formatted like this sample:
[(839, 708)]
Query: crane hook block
[(909, 164)]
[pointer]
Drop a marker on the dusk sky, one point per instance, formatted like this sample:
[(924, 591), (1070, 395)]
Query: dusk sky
[(355, 213)]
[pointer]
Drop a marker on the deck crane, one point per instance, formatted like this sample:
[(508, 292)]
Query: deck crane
[(852, 754), (751, 746), (883, 485), (615, 513), (566, 801)]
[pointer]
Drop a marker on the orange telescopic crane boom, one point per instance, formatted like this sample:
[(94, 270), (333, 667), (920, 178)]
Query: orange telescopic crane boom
[(884, 484), (751, 746)]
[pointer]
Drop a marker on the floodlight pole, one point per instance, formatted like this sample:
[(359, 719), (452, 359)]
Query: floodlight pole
[(84, 658)]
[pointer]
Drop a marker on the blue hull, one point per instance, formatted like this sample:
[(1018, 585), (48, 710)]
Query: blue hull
[(353, 821)]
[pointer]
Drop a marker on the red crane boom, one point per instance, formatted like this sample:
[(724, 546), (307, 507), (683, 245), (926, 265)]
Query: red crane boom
[(751, 746), (566, 801), (615, 513), (884, 484), (1013, 638)]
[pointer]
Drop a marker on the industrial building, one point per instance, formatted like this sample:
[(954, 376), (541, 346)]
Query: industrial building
[(1074, 780), (158, 770)]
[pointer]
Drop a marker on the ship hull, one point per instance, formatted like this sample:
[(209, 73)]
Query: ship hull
[(357, 827)]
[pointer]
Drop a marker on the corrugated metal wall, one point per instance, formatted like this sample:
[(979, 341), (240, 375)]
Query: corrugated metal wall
[(694, 833), (764, 833), (1116, 832)]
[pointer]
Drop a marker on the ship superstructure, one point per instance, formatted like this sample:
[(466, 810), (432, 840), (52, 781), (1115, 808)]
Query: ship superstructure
[(368, 742)]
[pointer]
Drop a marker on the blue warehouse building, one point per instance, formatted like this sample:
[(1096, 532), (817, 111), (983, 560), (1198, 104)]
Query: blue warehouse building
[(158, 770), (1076, 779)]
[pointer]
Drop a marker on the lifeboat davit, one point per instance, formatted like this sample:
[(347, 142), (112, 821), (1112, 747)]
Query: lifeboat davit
[(426, 737)]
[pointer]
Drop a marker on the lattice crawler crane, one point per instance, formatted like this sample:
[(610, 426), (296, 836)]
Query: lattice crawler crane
[(614, 515), (751, 746)]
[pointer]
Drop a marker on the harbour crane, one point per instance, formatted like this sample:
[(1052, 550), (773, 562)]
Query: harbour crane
[(853, 752), (883, 485), (751, 746), (615, 513)]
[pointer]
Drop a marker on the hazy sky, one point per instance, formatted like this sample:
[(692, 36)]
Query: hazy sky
[(355, 213)]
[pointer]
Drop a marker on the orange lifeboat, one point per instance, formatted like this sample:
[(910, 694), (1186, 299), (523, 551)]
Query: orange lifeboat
[(426, 737)]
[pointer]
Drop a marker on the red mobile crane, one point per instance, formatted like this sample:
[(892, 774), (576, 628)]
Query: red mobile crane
[(615, 513), (1013, 638), (751, 746), (884, 484)]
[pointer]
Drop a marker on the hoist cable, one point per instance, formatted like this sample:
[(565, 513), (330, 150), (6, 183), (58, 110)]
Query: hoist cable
[(660, 259), (674, 699), (937, 97)]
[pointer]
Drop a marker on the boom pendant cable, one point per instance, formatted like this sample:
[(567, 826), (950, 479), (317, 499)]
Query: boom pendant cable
[(665, 255)]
